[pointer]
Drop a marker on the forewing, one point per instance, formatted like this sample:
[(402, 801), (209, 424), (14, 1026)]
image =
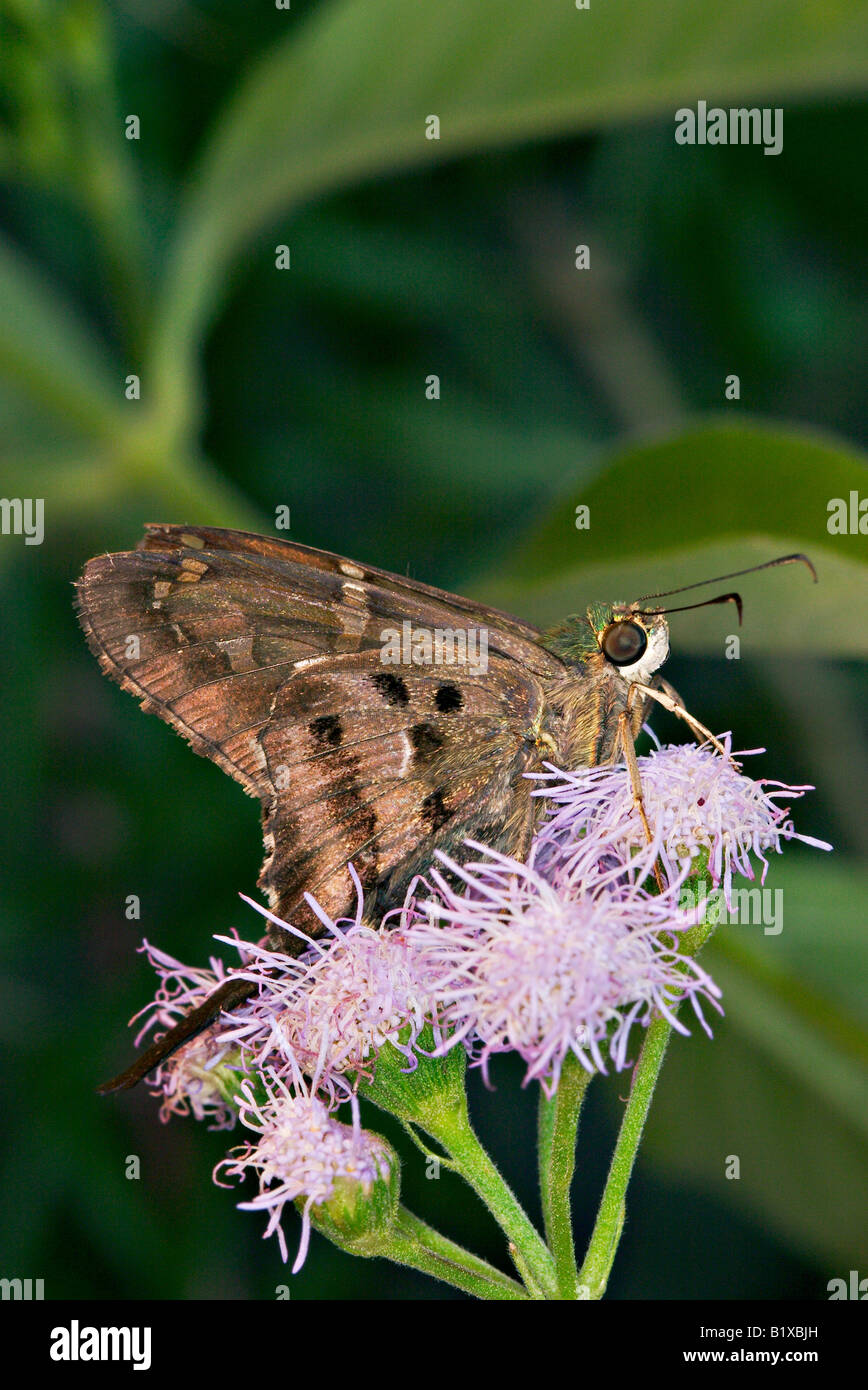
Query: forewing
[(203, 651), (205, 626), (351, 591)]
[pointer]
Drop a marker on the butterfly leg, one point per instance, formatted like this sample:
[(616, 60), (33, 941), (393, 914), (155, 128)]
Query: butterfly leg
[(662, 684), (667, 697), (625, 735)]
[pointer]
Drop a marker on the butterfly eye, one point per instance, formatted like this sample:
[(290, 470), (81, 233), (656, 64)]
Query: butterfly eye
[(623, 643)]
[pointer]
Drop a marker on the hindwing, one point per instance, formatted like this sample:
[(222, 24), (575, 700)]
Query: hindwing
[(380, 768)]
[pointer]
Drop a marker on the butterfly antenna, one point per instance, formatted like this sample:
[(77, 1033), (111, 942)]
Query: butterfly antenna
[(721, 598), (719, 579)]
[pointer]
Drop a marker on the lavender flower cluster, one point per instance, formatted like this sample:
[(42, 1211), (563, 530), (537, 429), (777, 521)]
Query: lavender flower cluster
[(560, 955)]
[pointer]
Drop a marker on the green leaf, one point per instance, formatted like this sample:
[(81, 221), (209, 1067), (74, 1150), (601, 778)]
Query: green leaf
[(52, 354), (784, 1084), (346, 96), (713, 499)]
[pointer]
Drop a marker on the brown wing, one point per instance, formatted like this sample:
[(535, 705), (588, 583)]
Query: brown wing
[(209, 627), (314, 576), (379, 769)]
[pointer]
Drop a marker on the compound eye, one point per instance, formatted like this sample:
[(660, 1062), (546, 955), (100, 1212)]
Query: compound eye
[(624, 642)]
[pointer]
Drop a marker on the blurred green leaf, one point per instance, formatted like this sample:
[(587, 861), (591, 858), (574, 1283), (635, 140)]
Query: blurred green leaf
[(789, 1060), (708, 501), (325, 110), (48, 350), (803, 1018)]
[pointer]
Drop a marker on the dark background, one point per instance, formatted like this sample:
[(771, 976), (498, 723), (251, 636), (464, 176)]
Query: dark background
[(306, 388)]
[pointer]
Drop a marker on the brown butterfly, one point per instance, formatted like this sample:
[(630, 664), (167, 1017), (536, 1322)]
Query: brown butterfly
[(376, 719)]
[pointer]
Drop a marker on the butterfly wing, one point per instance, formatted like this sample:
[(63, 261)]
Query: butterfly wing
[(249, 646), (381, 769), (319, 575)]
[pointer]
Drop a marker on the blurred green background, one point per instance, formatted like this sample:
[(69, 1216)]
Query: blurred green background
[(306, 387)]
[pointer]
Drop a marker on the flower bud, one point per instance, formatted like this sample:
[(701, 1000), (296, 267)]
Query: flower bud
[(361, 1211)]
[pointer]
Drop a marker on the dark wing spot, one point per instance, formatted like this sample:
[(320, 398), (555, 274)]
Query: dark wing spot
[(425, 740), (392, 688), (327, 731), (435, 810), (448, 698)]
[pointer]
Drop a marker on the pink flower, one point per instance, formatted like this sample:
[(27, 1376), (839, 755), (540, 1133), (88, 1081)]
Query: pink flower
[(301, 1152), (197, 1077), (523, 964), (330, 1011), (695, 801)]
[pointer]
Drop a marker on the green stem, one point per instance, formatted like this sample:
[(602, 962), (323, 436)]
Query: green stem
[(601, 1250), (532, 1257), (433, 1099), (558, 1127), (412, 1242)]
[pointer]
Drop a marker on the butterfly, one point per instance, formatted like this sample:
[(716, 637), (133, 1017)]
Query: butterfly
[(376, 719)]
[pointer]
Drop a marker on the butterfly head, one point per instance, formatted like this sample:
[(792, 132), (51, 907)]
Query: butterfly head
[(633, 639), (632, 642)]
